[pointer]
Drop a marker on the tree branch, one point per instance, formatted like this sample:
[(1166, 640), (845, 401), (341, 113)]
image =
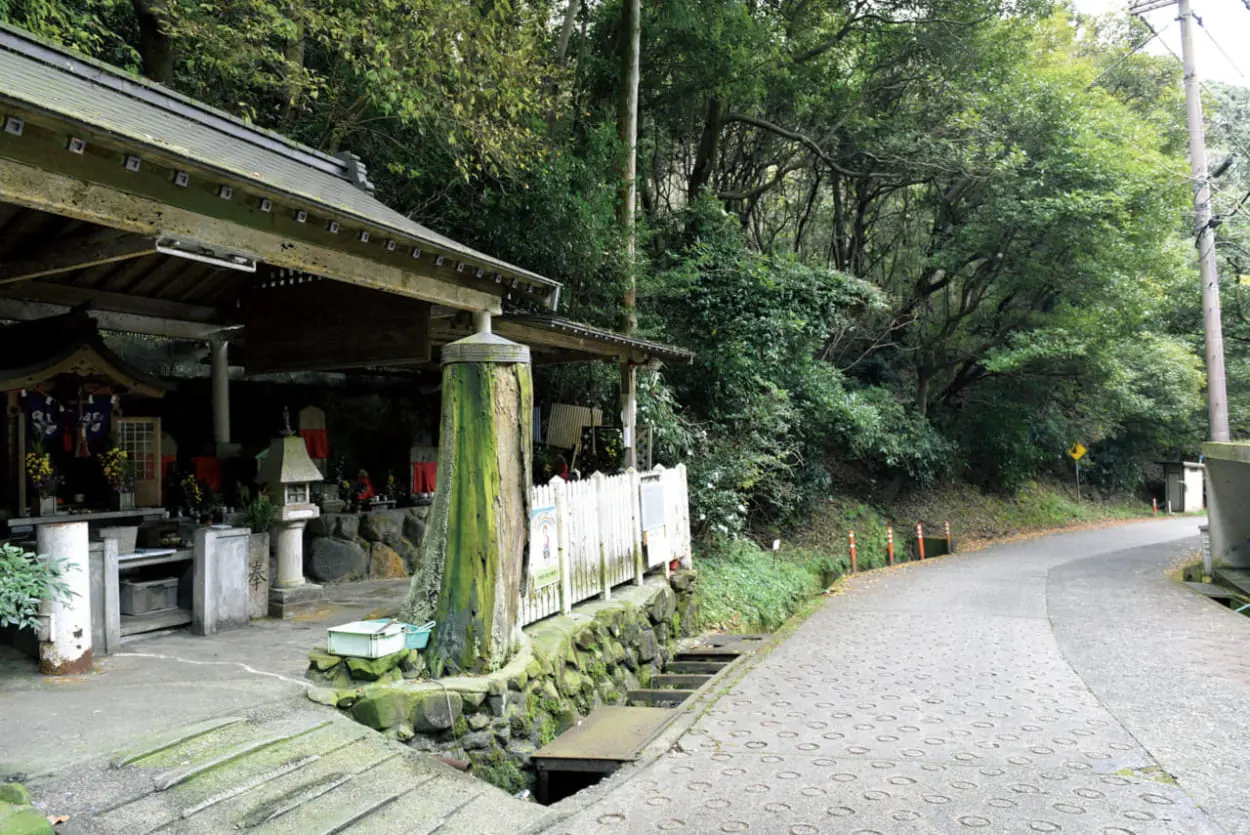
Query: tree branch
[(806, 141)]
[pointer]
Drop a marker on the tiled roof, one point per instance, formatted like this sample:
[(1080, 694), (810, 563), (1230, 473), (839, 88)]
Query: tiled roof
[(46, 78)]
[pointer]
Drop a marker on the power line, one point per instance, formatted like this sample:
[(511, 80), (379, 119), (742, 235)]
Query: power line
[(1216, 43), (1129, 54), (1232, 136)]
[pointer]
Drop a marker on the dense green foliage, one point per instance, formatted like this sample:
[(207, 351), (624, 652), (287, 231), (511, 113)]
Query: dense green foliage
[(909, 241), (25, 582), (745, 589)]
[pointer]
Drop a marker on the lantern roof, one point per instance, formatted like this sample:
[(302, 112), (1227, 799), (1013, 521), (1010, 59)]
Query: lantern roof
[(288, 463)]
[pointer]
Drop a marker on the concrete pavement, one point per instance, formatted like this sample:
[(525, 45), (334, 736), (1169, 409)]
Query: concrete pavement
[(165, 682), (1062, 684)]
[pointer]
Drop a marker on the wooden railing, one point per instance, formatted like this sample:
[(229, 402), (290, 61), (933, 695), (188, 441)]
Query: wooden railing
[(605, 538)]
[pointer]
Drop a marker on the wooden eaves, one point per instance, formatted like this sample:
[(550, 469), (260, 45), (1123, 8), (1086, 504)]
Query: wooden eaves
[(83, 140)]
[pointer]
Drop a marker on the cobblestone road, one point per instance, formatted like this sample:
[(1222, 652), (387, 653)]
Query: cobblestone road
[(1058, 685)]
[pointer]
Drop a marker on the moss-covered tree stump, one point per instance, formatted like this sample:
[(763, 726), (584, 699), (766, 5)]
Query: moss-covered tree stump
[(472, 557)]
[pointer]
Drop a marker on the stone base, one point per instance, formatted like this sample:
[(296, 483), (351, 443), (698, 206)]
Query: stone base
[(286, 603)]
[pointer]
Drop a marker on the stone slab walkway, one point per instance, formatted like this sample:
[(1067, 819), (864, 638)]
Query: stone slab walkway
[(1056, 685)]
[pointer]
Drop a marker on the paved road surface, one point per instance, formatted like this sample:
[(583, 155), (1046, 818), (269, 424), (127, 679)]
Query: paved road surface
[(1059, 685)]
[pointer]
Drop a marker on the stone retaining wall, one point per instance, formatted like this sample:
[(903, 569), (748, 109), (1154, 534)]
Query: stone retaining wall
[(340, 547), (565, 668)]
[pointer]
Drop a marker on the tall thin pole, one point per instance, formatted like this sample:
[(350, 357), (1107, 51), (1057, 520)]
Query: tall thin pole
[(627, 200), (1217, 398)]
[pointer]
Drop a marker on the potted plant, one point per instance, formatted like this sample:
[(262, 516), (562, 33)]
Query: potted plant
[(195, 498), (119, 473), (26, 580), (259, 515), (43, 479)]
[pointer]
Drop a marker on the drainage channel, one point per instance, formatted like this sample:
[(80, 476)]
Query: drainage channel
[(613, 736)]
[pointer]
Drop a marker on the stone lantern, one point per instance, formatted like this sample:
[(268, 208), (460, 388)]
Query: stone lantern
[(289, 473)]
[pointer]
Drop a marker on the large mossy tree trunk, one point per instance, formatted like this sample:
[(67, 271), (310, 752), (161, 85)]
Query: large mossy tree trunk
[(469, 580)]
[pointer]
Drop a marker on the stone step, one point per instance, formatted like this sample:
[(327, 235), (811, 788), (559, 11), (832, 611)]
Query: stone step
[(722, 654), (293, 768), (678, 682), (182, 793), (427, 807), (259, 802), (695, 667), (658, 698), (335, 811)]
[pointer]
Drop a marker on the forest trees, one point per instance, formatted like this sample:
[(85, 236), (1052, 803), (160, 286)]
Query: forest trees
[(907, 239)]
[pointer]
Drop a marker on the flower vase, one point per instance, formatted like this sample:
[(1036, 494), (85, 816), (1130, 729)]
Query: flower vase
[(124, 501), (46, 506)]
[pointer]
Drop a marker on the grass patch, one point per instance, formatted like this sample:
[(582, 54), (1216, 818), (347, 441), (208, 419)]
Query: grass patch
[(500, 772), (976, 518), (743, 588), (1036, 507)]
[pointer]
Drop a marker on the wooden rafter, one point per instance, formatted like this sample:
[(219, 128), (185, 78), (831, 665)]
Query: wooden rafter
[(57, 258), (70, 296), (19, 310)]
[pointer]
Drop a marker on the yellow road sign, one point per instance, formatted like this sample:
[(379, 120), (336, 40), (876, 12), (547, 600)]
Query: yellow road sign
[(1077, 451)]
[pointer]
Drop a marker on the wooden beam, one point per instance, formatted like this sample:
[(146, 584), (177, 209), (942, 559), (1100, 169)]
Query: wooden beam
[(88, 254), (327, 325), (18, 310), (558, 339), (71, 296), (245, 230)]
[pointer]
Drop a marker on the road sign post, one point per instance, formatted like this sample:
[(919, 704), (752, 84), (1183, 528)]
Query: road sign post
[(1077, 452)]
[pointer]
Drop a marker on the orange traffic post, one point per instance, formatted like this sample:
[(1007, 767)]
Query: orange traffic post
[(889, 545), (1154, 505), (949, 548), (920, 539), (852, 552)]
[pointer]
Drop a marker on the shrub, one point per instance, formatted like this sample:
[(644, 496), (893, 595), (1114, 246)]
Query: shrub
[(744, 588), (260, 514), (25, 581)]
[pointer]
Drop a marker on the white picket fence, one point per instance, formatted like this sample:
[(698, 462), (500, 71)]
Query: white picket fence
[(600, 536)]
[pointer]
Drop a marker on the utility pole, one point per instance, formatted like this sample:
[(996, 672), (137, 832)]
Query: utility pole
[(1217, 398), (627, 199)]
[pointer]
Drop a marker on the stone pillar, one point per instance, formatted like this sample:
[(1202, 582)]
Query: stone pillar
[(219, 596), (469, 580), (290, 553), (66, 647), (221, 392), (290, 593)]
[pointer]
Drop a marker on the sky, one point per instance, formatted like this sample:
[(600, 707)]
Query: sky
[(1227, 20)]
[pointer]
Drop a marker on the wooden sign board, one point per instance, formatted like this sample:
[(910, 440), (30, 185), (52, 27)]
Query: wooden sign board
[(323, 324), (544, 564), (654, 510)]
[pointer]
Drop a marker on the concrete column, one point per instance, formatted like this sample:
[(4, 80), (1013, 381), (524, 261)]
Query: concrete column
[(290, 593), (66, 648), (481, 321), (290, 553), (221, 390), (219, 595)]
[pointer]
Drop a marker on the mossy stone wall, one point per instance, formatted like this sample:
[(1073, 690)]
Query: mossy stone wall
[(565, 668)]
